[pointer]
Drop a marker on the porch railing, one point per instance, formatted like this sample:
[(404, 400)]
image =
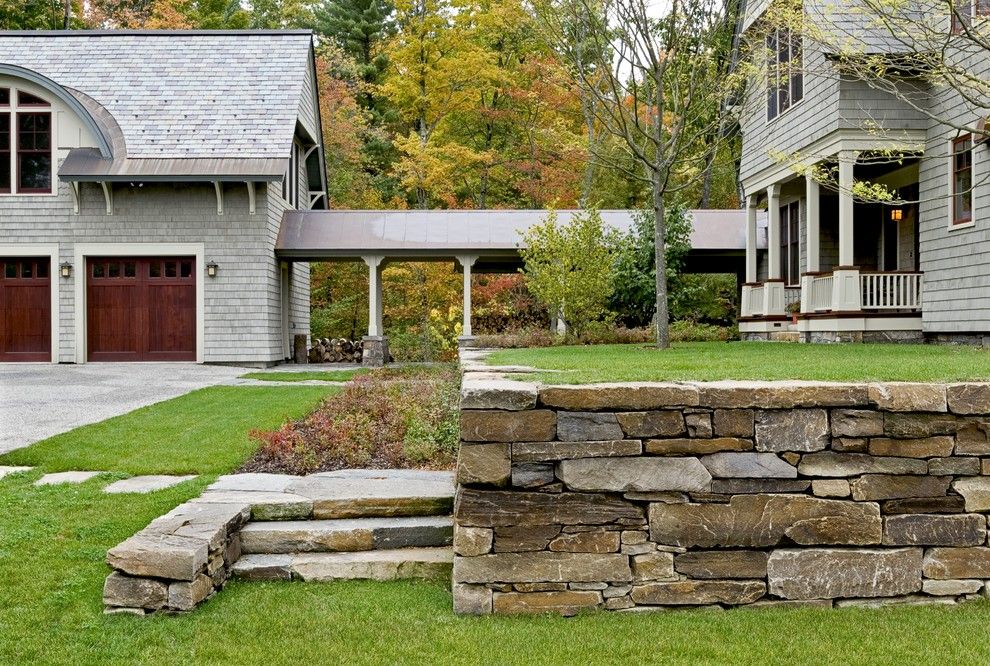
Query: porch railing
[(756, 300), (891, 291), (821, 293), (792, 295)]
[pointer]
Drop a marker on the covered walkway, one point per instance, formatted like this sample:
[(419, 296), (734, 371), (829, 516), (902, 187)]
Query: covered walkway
[(482, 241)]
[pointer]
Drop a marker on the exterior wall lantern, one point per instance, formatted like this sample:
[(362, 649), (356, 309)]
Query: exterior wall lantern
[(65, 269), (211, 269), (897, 214)]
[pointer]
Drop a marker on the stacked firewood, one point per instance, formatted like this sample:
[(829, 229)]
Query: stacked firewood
[(335, 350)]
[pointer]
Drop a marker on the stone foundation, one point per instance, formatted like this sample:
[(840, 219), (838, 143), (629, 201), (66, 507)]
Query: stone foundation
[(657, 496), (375, 353)]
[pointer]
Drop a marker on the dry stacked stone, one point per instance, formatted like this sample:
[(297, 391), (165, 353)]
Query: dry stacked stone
[(663, 495)]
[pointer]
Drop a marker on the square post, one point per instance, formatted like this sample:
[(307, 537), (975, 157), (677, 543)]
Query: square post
[(375, 349), (846, 294), (466, 338), (773, 288), (814, 243), (745, 307)]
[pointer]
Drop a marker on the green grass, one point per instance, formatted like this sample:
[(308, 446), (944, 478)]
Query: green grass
[(203, 432), (53, 541), (306, 375), (710, 361)]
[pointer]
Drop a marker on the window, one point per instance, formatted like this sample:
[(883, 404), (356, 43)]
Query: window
[(790, 244), (26, 157), (962, 180), (963, 12), (785, 77), (290, 184)]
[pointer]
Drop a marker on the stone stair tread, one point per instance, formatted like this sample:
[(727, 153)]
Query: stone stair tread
[(381, 565), (347, 534)]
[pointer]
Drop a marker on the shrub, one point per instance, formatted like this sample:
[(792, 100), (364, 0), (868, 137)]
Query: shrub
[(688, 331), (384, 419)]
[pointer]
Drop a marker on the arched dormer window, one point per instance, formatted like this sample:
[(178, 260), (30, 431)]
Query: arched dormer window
[(26, 158)]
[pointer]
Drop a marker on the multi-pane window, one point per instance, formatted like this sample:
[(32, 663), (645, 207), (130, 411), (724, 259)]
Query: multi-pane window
[(290, 184), (963, 12), (790, 244), (962, 179), (25, 143), (785, 76)]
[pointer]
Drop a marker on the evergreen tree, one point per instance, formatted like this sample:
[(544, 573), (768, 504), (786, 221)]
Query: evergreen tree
[(357, 27)]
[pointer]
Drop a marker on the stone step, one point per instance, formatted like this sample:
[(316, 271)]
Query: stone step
[(358, 493), (381, 565), (351, 534)]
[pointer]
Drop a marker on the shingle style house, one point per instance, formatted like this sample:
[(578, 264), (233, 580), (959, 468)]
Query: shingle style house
[(143, 180), (854, 270)]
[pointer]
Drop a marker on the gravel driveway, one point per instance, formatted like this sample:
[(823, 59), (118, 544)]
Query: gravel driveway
[(40, 400)]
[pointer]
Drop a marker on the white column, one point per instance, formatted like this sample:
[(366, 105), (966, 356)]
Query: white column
[(773, 288), (813, 243), (745, 307), (773, 234), (466, 262), (847, 159), (846, 296), (374, 294), (813, 215)]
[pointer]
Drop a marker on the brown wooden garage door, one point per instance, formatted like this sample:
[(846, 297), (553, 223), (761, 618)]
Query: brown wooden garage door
[(141, 309), (25, 309)]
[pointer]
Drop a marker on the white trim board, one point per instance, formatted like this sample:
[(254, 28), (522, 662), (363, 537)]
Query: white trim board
[(84, 250), (49, 250)]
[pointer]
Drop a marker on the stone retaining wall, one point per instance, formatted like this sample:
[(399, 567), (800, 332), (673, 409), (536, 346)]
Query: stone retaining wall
[(178, 561), (627, 496)]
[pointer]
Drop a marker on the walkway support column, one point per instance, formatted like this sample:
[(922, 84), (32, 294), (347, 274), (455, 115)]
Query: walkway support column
[(745, 306), (773, 290), (814, 242), (466, 338), (846, 295), (375, 348)]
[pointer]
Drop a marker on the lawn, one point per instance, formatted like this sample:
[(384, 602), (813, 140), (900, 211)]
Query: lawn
[(306, 375), (203, 432), (710, 361), (53, 541)]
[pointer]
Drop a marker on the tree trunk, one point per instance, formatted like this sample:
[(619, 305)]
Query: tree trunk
[(662, 316)]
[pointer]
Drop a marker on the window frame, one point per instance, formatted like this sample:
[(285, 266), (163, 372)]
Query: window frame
[(789, 89), (956, 222), (13, 110)]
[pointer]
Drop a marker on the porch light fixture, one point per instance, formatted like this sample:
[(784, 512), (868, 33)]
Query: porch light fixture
[(897, 214), (211, 269), (65, 269)]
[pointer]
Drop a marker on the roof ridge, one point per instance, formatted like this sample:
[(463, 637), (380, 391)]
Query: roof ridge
[(154, 33)]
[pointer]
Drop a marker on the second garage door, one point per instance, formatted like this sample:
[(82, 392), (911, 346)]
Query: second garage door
[(25, 309), (141, 308)]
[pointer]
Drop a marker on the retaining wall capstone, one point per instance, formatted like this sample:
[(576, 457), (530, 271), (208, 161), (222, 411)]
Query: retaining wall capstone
[(666, 495)]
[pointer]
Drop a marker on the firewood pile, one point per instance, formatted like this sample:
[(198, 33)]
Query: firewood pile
[(335, 350)]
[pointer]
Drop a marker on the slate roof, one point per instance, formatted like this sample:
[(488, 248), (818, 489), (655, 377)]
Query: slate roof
[(444, 233), (197, 95)]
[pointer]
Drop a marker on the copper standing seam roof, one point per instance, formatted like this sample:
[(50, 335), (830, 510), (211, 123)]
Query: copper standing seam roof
[(349, 234)]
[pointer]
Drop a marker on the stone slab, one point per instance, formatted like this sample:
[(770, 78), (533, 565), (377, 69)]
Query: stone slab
[(484, 464), (587, 426), (755, 521), (759, 486), (871, 487), (146, 484), (792, 430), (699, 592), (537, 425), (58, 478), (160, 556), (371, 493), (346, 535), (634, 474), (619, 396), (926, 447), (6, 470), (856, 423), (830, 464), (908, 397), (566, 602), (553, 451), (829, 573), (656, 423), (254, 482), (951, 587), (503, 394), (686, 446), (920, 529), (542, 567), (780, 394), (264, 505), (720, 564), (130, 592), (951, 563), (748, 466), (969, 398), (975, 491), (380, 565), (480, 508)]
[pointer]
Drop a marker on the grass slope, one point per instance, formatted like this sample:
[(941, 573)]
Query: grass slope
[(54, 540), (306, 375), (710, 361), (203, 432)]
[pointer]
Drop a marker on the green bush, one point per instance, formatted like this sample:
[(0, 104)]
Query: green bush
[(689, 331)]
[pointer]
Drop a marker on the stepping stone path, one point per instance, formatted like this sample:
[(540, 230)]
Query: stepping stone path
[(58, 478), (146, 484), (350, 524), (4, 470)]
